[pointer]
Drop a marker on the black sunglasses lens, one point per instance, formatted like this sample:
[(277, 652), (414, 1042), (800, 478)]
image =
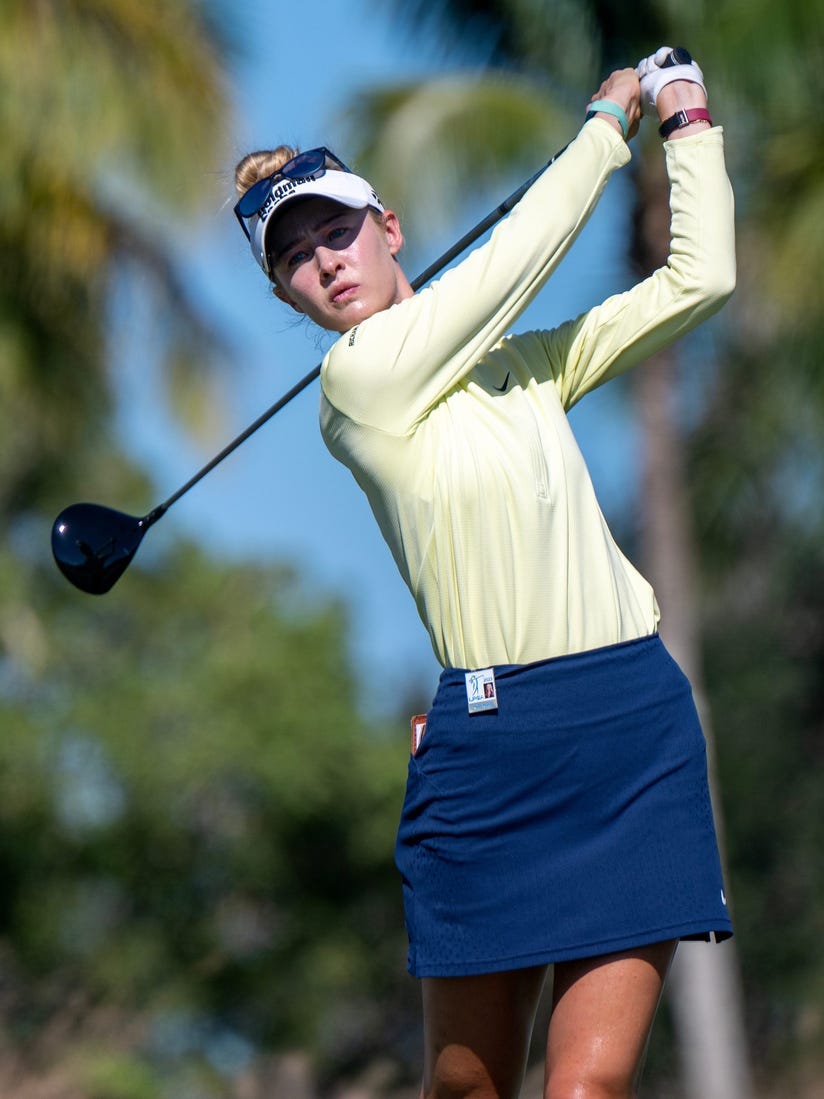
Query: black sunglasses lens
[(254, 198), (304, 164)]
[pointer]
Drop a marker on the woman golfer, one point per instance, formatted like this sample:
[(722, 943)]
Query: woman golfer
[(556, 808)]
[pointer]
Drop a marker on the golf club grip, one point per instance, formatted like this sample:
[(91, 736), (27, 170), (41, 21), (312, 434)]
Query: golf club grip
[(679, 56), (435, 268)]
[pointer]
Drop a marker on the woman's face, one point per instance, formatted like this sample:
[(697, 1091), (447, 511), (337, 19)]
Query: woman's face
[(335, 264)]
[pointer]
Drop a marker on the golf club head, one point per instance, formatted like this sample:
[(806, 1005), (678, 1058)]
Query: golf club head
[(93, 545)]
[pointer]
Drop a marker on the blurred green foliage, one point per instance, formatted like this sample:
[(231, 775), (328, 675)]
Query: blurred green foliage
[(757, 473), (195, 823)]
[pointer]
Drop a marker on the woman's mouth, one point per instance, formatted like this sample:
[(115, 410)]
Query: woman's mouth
[(344, 294)]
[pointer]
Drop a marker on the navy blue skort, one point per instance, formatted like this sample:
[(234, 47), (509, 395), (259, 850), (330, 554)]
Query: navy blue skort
[(573, 821)]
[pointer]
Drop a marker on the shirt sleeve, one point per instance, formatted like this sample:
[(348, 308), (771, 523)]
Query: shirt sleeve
[(697, 279), (390, 370)]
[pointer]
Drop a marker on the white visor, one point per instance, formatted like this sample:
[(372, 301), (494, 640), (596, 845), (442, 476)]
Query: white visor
[(343, 187)]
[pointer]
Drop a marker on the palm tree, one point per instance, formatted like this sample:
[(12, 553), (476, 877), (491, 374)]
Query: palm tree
[(105, 108)]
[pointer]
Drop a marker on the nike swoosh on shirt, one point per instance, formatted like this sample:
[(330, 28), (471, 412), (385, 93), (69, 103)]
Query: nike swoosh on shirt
[(502, 388)]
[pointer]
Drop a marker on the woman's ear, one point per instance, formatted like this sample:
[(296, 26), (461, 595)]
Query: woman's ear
[(392, 228)]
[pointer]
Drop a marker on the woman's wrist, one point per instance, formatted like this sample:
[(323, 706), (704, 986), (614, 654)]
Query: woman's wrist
[(611, 112), (679, 95), (682, 96)]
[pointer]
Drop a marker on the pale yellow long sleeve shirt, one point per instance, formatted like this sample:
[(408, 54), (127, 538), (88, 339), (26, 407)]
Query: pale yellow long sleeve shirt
[(458, 434)]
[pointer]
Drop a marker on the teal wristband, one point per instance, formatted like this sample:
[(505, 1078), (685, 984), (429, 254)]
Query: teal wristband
[(606, 106)]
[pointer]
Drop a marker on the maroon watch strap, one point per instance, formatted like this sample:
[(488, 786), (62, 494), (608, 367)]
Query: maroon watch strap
[(683, 118)]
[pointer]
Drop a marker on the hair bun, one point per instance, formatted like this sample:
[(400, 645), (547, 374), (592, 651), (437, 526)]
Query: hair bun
[(261, 165)]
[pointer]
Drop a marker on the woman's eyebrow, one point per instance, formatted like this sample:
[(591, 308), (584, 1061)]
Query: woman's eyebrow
[(287, 246)]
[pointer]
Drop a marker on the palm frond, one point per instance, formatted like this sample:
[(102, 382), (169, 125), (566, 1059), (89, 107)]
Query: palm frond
[(111, 115), (429, 146)]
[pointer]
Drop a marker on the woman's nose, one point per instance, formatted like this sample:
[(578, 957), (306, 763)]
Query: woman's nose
[(328, 260)]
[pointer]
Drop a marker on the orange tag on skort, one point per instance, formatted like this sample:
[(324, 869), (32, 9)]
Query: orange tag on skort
[(418, 729)]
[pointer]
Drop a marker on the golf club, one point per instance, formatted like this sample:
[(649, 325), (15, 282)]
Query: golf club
[(93, 545)]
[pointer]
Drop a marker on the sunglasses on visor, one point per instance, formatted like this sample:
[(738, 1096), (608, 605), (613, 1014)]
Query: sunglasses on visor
[(308, 165)]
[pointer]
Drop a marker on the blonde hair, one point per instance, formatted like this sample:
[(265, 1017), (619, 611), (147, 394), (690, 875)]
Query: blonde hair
[(260, 165)]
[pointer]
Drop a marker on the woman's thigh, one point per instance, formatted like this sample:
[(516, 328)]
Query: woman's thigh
[(602, 1015), (476, 1033)]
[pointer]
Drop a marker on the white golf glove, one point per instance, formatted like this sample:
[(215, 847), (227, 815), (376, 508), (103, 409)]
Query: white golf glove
[(655, 72)]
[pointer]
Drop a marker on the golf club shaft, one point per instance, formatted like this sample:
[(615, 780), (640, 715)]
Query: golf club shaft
[(435, 268)]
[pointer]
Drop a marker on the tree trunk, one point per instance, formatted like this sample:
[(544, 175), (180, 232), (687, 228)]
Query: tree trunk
[(704, 988)]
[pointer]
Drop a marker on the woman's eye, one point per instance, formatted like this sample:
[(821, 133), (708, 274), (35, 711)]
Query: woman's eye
[(296, 258), (338, 232)]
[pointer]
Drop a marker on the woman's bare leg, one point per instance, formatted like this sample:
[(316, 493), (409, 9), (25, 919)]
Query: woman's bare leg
[(476, 1033), (603, 1010)]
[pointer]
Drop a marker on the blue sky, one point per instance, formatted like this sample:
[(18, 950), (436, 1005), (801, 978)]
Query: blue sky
[(281, 496)]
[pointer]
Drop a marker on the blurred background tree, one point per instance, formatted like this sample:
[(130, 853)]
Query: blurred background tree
[(104, 107), (194, 841)]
